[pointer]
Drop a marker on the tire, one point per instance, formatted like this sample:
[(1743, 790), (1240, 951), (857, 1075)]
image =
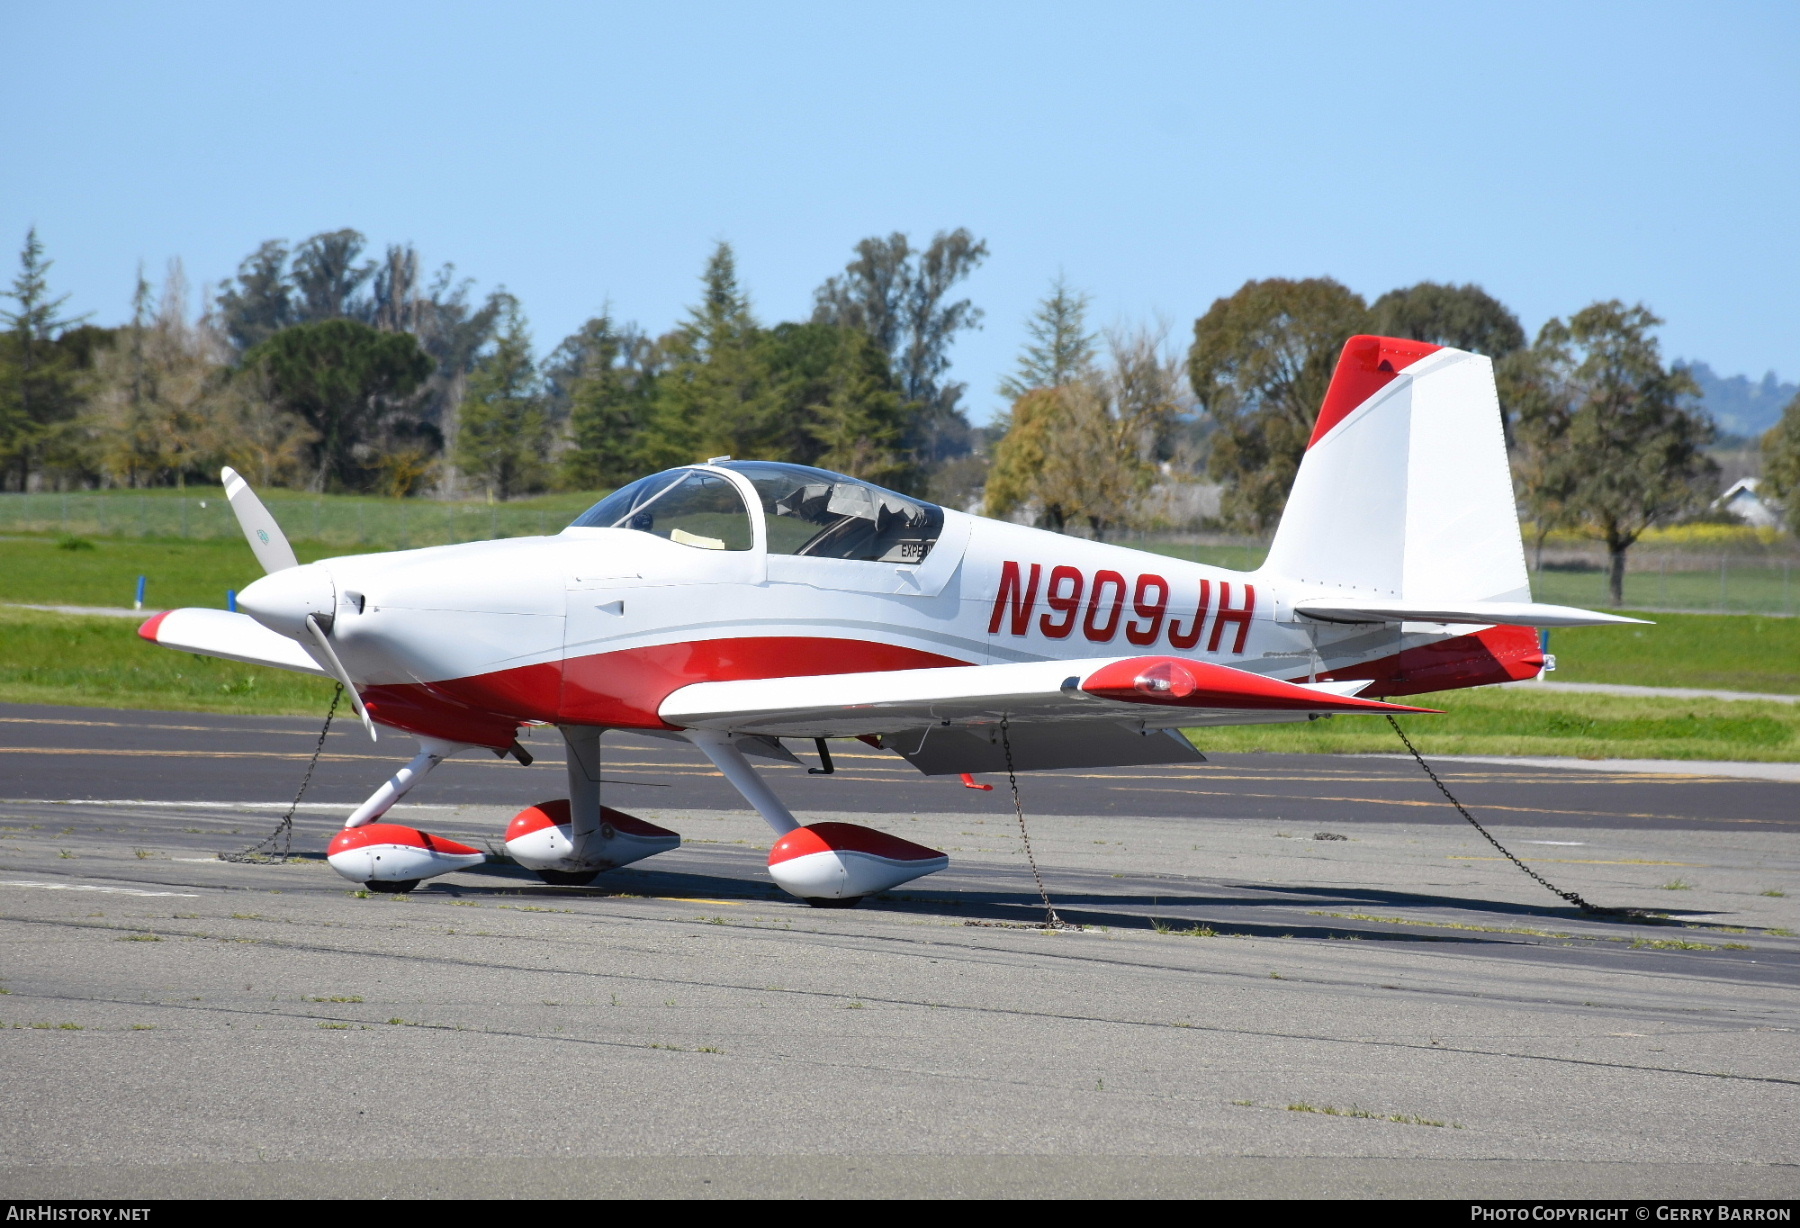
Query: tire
[(822, 902), (387, 887), (568, 878)]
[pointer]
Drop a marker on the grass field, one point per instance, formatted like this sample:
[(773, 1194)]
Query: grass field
[(1521, 721), (342, 522), (1730, 584), (60, 659), (101, 662)]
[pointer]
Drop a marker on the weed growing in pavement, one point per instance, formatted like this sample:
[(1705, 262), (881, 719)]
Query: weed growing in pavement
[(1449, 925), (139, 938), (1196, 930), (335, 1027), (1779, 932), (1678, 884), (1777, 892), (1671, 944), (143, 1027), (1405, 1119), (336, 998)]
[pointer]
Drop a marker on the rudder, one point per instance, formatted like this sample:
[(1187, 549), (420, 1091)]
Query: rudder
[(1405, 491)]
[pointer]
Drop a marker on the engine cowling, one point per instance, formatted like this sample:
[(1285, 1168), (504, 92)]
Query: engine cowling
[(540, 838), (845, 861), (391, 853)]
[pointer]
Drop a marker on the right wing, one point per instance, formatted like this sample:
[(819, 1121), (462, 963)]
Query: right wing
[(1098, 712), (1156, 692), (235, 637)]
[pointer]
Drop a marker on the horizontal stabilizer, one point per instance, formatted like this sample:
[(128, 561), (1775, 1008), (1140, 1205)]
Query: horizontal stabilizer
[(234, 637), (1486, 613)]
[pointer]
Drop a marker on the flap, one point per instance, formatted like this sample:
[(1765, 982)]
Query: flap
[(936, 751)]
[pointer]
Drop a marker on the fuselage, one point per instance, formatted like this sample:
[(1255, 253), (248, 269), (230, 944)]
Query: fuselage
[(596, 626)]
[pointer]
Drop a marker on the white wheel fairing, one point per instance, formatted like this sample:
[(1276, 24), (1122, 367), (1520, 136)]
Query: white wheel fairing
[(841, 861), (541, 838), (391, 853), (836, 875)]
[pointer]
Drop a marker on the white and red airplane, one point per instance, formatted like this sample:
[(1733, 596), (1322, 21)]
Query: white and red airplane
[(734, 604)]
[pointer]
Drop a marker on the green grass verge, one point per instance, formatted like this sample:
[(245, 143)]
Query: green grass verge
[(38, 571), (1522, 721), (101, 662), (1721, 652)]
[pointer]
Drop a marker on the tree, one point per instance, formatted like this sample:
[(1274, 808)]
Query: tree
[(505, 436), (260, 303), (1537, 405), (1781, 462), (713, 397), (1463, 317), (153, 411), (324, 280), (1061, 349), (1033, 422), (837, 404), (1621, 452), (37, 374), (605, 379), (346, 381), (897, 296), (1260, 364), (326, 277), (1086, 449)]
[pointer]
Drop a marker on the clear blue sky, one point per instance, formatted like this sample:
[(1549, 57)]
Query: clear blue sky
[(1158, 154)]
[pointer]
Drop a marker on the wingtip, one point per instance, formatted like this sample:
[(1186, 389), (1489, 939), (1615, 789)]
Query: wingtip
[(149, 628)]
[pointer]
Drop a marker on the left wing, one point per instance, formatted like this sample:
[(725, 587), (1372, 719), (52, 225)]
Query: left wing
[(235, 637), (1157, 692)]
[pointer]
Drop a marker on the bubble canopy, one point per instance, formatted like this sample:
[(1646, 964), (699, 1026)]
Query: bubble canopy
[(808, 512)]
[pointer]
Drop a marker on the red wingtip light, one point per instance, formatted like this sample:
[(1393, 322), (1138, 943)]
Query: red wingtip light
[(148, 630), (1166, 680)]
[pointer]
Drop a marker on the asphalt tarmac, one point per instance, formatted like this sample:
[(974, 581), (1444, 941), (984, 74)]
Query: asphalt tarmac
[(1249, 1007)]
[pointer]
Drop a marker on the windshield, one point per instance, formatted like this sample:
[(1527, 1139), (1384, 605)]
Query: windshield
[(821, 514), (687, 506)]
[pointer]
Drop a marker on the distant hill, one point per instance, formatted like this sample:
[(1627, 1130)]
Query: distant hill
[(1738, 405)]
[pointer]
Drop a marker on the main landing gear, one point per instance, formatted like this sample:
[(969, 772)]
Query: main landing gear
[(568, 843)]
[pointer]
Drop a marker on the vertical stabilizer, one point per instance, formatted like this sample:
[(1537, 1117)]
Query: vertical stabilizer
[(1405, 491)]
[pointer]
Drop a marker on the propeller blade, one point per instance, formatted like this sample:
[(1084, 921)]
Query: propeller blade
[(337, 670), (267, 541)]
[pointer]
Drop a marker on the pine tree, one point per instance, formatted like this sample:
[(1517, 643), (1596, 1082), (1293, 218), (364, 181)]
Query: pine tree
[(504, 440), (37, 380), (714, 399), (1061, 349)]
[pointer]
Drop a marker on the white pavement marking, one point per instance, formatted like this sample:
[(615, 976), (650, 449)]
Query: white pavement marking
[(9, 882), (1665, 692), (129, 801), (1787, 773)]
